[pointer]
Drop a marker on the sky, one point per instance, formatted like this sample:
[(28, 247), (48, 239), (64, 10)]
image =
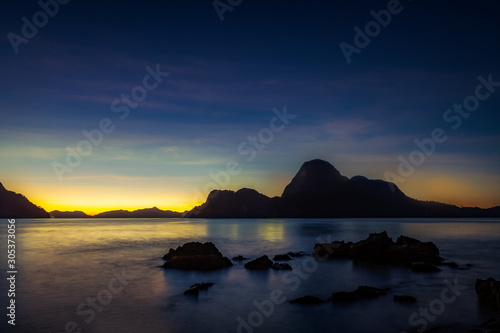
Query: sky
[(134, 104)]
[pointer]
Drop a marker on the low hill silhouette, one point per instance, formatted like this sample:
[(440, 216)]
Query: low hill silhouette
[(319, 190), (140, 213), (15, 205)]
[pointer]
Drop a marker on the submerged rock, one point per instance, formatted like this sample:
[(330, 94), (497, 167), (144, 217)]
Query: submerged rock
[(196, 256), (405, 299), (260, 263), (195, 288), (363, 292), (379, 248), (239, 258), (281, 267), (488, 291), (295, 254), (281, 257), (308, 300)]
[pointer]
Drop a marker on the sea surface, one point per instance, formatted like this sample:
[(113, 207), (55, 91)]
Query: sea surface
[(105, 275)]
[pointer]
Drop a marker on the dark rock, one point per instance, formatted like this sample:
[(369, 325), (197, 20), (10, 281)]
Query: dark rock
[(488, 291), (196, 256), (195, 288), (379, 248), (334, 250), (450, 264), (407, 250), (239, 258), (363, 292), (423, 267), (405, 299), (280, 257), (281, 267), (308, 300), (373, 248), (295, 254), (260, 263)]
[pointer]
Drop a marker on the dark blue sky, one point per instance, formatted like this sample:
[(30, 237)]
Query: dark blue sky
[(225, 79)]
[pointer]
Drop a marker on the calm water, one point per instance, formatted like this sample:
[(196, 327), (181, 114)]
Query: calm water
[(64, 263)]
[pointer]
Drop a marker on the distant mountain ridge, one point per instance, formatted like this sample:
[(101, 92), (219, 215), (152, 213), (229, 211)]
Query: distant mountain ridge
[(319, 190), (139, 213), (15, 205)]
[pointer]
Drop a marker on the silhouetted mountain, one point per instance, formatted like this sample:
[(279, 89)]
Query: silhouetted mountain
[(140, 213), (14, 205), (68, 215), (319, 190), (243, 203)]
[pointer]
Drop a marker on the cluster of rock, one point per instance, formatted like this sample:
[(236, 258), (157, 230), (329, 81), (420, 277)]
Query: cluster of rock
[(196, 256), (263, 263), (379, 248), (362, 293)]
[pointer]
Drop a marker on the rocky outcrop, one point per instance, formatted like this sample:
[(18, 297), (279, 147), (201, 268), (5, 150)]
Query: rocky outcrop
[(380, 249), (196, 256), (363, 292), (488, 291), (260, 263), (282, 257), (281, 267), (195, 288), (308, 300)]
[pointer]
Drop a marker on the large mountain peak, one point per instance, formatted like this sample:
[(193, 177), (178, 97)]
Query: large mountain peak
[(315, 176)]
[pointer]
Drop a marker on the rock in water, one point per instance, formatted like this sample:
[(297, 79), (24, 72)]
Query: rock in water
[(195, 288), (307, 300), (488, 291), (363, 292), (196, 256), (281, 257), (260, 263), (281, 267), (379, 248)]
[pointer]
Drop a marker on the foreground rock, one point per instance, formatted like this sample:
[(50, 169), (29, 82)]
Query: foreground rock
[(379, 248), (363, 292), (195, 288), (281, 267), (307, 300), (260, 263), (488, 291), (196, 256)]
